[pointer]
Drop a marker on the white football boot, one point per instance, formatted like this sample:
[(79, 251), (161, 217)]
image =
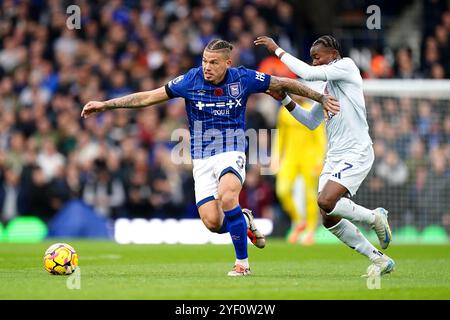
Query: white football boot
[(256, 236), (381, 227), (381, 266), (239, 271)]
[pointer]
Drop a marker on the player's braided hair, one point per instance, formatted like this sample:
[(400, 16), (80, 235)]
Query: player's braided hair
[(218, 44), (328, 42)]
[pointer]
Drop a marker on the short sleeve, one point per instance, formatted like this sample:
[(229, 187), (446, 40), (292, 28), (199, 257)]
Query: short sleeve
[(179, 86), (257, 81)]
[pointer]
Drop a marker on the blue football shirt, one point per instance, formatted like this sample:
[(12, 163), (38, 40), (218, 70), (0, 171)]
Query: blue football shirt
[(216, 113)]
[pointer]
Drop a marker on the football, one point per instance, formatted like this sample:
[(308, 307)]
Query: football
[(60, 259)]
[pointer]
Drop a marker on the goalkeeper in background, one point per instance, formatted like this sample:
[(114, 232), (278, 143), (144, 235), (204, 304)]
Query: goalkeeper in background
[(299, 167), (301, 160)]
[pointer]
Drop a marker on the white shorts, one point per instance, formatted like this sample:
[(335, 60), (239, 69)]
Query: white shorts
[(349, 170), (207, 173)]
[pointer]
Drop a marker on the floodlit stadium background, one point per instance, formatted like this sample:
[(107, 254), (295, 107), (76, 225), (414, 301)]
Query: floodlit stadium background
[(52, 161)]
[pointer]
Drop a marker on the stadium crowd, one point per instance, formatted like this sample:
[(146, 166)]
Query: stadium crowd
[(120, 162)]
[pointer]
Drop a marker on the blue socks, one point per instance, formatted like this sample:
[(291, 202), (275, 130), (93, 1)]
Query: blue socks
[(235, 222), (224, 227)]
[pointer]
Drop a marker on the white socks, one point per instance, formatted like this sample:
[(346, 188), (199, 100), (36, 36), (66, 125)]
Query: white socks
[(346, 208), (348, 233), (243, 262)]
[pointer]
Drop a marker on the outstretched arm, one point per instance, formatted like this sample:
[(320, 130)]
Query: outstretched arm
[(300, 68), (135, 100), (292, 86)]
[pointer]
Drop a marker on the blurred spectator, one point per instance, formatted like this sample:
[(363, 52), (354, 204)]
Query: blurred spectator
[(392, 187), (255, 119), (425, 122), (50, 160), (12, 54), (392, 169), (257, 193), (138, 196), (15, 155), (235, 28), (44, 132), (38, 194), (416, 159), (12, 195), (442, 38), (379, 66), (65, 186), (435, 189), (118, 86), (437, 71), (274, 66), (246, 53), (431, 56), (105, 193), (404, 65), (446, 130), (166, 185), (403, 136)]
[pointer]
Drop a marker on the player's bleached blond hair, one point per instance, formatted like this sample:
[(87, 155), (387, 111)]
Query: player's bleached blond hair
[(219, 45)]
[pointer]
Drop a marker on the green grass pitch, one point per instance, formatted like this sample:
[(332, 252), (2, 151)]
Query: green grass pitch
[(189, 272)]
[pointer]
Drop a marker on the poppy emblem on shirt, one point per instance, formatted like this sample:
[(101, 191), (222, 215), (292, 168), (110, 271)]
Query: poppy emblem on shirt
[(218, 92)]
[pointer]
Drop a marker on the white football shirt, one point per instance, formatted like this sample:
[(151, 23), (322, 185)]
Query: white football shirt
[(348, 130)]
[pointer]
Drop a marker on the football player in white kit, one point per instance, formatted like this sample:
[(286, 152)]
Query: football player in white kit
[(350, 154)]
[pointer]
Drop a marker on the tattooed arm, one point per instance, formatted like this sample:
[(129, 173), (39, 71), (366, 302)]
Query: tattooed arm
[(135, 100), (292, 86)]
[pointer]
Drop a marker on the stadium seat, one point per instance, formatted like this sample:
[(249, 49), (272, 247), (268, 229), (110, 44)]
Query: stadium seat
[(434, 234), (25, 229), (406, 234)]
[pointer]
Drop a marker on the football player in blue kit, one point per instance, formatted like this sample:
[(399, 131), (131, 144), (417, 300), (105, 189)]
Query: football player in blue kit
[(216, 95)]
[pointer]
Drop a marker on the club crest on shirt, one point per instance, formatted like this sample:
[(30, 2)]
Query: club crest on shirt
[(240, 162), (177, 79), (234, 89)]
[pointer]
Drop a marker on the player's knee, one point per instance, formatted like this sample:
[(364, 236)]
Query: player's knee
[(229, 200), (325, 203), (213, 224), (329, 221)]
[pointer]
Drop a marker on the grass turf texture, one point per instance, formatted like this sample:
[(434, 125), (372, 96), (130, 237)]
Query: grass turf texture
[(280, 271)]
